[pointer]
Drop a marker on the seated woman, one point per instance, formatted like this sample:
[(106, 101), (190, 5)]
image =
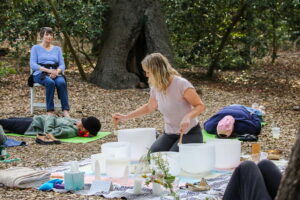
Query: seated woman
[(47, 64), (234, 120), (47, 128), (254, 182), (176, 98)]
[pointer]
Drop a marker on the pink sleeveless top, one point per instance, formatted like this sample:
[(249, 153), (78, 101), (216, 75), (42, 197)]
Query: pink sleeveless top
[(173, 106)]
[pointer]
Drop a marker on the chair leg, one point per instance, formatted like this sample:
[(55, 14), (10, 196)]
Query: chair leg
[(32, 95), (34, 104)]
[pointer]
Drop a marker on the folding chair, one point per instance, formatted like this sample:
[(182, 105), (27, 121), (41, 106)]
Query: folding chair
[(39, 105)]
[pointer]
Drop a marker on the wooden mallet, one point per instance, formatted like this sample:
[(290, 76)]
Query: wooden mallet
[(116, 128), (181, 135)]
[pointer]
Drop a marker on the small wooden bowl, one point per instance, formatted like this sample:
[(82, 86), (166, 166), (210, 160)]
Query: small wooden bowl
[(274, 151)]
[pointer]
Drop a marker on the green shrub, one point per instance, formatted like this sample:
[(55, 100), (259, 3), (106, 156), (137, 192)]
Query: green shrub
[(6, 70)]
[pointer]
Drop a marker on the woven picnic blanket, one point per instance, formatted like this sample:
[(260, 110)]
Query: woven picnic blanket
[(218, 185)]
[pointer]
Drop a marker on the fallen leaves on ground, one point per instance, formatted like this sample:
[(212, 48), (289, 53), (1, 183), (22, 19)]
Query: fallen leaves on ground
[(277, 87)]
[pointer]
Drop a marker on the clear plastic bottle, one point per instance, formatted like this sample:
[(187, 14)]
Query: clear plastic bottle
[(262, 110)]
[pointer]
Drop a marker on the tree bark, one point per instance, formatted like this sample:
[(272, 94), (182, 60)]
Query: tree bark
[(289, 188), (216, 57), (134, 29)]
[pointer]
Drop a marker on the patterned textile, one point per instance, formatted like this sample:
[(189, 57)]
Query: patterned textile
[(218, 185)]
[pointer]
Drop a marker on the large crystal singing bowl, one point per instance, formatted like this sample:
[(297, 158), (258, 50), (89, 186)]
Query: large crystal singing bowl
[(140, 140), (228, 153), (196, 158)]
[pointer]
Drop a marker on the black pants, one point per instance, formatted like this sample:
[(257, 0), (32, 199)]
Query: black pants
[(16, 125), (254, 182), (169, 142)]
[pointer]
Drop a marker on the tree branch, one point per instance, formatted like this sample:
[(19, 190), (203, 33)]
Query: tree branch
[(67, 38), (216, 56), (82, 51)]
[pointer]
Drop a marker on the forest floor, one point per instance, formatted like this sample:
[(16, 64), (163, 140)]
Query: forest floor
[(275, 86)]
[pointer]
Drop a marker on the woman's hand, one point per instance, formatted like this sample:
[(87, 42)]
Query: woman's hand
[(139, 112), (44, 69), (184, 124), (53, 74), (118, 117)]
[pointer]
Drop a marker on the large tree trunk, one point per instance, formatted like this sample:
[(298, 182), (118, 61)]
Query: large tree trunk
[(134, 29), (289, 188)]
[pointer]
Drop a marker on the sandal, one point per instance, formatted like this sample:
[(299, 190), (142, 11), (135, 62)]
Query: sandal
[(43, 142), (248, 137), (51, 137)]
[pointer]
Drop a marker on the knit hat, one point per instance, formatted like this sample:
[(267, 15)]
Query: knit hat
[(225, 126), (91, 124)]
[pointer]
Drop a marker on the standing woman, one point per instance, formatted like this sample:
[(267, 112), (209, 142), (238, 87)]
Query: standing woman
[(175, 98), (47, 64)]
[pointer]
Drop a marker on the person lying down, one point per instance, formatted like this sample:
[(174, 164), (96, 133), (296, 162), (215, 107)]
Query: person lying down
[(235, 121), (48, 128)]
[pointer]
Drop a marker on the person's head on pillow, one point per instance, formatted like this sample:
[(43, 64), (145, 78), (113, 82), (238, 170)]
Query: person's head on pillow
[(88, 126), (225, 126)]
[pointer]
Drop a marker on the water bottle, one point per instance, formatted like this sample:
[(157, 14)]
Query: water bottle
[(262, 110)]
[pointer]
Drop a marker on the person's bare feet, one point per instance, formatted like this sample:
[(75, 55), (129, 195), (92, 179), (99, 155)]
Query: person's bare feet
[(50, 113), (66, 113), (50, 136)]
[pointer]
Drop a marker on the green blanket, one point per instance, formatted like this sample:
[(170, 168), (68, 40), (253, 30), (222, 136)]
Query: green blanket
[(207, 136), (73, 139)]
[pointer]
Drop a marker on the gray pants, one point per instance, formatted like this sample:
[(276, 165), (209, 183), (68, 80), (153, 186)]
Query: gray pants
[(169, 142)]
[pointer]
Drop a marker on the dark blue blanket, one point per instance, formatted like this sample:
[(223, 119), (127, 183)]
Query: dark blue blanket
[(245, 122)]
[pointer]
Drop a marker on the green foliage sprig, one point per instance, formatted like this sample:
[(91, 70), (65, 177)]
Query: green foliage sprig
[(159, 173)]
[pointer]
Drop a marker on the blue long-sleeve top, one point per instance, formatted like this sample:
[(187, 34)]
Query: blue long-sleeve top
[(245, 121), (39, 55)]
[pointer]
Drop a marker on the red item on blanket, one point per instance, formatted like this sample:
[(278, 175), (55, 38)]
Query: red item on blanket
[(83, 134)]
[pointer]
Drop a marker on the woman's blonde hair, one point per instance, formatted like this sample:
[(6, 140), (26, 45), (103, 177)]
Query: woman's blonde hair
[(161, 69)]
